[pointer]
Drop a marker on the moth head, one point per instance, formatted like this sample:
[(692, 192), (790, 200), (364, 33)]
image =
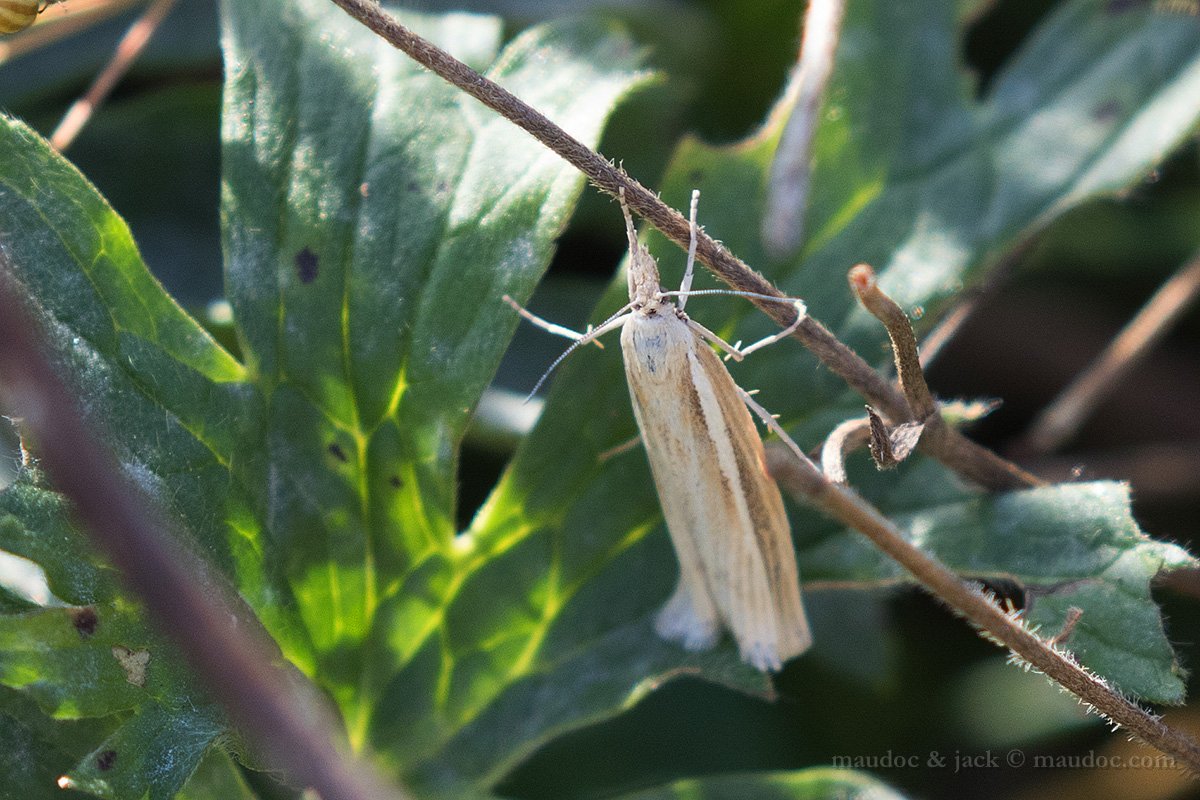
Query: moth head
[(644, 289)]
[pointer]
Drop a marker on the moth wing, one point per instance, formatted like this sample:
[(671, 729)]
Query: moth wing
[(723, 511), (655, 368), (765, 608)]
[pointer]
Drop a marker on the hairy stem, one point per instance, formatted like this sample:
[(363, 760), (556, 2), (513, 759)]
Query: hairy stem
[(980, 609)]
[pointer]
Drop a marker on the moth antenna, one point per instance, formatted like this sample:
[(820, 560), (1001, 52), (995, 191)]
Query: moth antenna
[(686, 286), (791, 301), (612, 323), (630, 231), (550, 327), (574, 346)]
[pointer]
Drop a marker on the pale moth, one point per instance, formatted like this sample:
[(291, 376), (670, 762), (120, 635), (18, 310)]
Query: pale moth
[(737, 565)]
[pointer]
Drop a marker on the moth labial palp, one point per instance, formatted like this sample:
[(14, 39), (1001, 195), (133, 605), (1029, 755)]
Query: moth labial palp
[(724, 513)]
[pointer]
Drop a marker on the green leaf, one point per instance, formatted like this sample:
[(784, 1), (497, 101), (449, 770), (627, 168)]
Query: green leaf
[(154, 752), (168, 402), (372, 218), (35, 750), (217, 778), (69, 660), (1067, 545), (34, 524), (808, 784), (28, 763)]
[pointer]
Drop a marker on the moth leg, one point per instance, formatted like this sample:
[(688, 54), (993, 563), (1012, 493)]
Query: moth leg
[(735, 351), (709, 336), (551, 327), (773, 424), (688, 619), (801, 313), (620, 449)]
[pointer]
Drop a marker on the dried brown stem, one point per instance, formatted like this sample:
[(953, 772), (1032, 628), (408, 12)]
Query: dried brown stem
[(1062, 419), (904, 342), (972, 461), (891, 446), (787, 188), (938, 438), (973, 603), (280, 713), (128, 49)]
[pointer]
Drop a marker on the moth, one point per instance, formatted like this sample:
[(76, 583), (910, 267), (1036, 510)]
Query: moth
[(724, 513)]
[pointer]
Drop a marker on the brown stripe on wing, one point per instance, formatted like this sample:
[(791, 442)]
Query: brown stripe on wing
[(772, 532), (762, 495)]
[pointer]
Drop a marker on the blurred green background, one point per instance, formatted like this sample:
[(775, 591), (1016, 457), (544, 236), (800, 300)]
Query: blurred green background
[(926, 683)]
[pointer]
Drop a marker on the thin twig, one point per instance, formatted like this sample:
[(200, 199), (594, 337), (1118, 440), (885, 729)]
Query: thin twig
[(128, 49), (973, 603), (1062, 419), (791, 170), (972, 461), (282, 716), (946, 329)]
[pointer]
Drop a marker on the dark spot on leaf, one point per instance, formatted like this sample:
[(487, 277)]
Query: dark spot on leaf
[(1107, 111), (337, 452), (106, 760), (413, 186), (695, 176), (443, 187), (85, 620), (395, 481), (306, 266), (1121, 6)]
